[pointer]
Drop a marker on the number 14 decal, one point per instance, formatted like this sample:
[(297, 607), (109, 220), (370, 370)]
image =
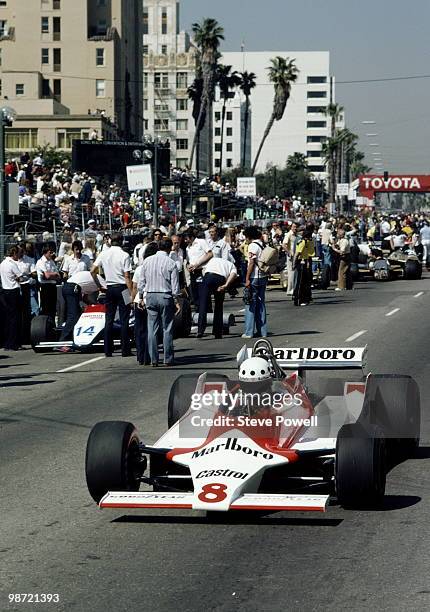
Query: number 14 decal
[(89, 331)]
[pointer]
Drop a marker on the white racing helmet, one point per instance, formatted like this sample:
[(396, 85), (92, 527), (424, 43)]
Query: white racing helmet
[(254, 369)]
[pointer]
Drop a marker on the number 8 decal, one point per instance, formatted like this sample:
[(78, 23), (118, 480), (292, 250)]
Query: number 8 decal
[(213, 493)]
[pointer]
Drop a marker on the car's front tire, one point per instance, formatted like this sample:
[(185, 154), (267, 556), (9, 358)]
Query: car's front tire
[(360, 468), (112, 461), (42, 330)]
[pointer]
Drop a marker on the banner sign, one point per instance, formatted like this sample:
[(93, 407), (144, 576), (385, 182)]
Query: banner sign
[(404, 183), (139, 177), (247, 187)]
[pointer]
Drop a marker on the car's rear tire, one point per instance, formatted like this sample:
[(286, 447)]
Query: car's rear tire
[(183, 319), (393, 403), (413, 270), (360, 469), (112, 461), (181, 392), (42, 330), (325, 277)]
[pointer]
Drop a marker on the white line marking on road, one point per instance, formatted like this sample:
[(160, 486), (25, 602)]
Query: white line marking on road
[(79, 365), (419, 294), (357, 335), (389, 314)]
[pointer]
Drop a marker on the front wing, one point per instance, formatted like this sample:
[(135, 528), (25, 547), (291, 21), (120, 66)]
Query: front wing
[(248, 501)]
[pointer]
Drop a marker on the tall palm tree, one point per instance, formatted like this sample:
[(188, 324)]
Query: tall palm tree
[(207, 36), (227, 80), (282, 73), (248, 82), (195, 94), (335, 112)]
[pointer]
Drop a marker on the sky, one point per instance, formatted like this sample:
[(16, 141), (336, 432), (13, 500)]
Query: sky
[(367, 39)]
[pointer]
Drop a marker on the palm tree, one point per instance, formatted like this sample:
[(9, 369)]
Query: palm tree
[(195, 94), (282, 73), (227, 80), (248, 81), (335, 112), (207, 36)]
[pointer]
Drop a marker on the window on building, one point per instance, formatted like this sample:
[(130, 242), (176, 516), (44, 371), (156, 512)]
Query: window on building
[(181, 80), (44, 25), (1, 87), (145, 50), (316, 109), (317, 124), (3, 2), (317, 94), (101, 2), (217, 116), (229, 147), (314, 153), (4, 30), (181, 144), (44, 4), (317, 168), (100, 57), (181, 162), (217, 163), (181, 104), (161, 125), (19, 89), (145, 21), (229, 131), (57, 60), (101, 27), (317, 79), (66, 137), (56, 5), (45, 56), (164, 21), (163, 49), (182, 124), (316, 138), (57, 90), (161, 80), (145, 79), (46, 90), (217, 131), (229, 116), (146, 125), (18, 138), (217, 147), (56, 22), (145, 104), (229, 163), (100, 88)]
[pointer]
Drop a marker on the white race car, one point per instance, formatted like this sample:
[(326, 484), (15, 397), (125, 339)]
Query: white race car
[(264, 441), (88, 333)]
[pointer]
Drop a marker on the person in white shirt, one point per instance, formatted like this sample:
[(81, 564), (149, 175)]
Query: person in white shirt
[(289, 245), (10, 275), (27, 266), (198, 253), (117, 268), (218, 245), (218, 275), (141, 313), (72, 290), (177, 255), (256, 283), (48, 275)]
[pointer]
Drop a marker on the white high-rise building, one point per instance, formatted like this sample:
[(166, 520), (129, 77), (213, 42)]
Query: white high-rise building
[(169, 62), (234, 133), (304, 127)]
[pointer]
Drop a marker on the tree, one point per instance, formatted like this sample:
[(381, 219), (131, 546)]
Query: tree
[(195, 94), (207, 36), (227, 80), (335, 112), (282, 73), (247, 84)]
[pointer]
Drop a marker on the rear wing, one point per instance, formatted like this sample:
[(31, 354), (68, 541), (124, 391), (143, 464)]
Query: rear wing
[(314, 358)]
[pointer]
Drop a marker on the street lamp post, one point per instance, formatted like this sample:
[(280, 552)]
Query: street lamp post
[(7, 116)]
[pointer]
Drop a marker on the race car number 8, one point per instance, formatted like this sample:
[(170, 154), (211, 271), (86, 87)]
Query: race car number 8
[(213, 493)]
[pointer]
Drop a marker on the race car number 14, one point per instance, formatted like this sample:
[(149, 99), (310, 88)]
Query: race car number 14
[(89, 331), (213, 493)]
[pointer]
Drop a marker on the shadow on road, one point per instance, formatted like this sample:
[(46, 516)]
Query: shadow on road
[(423, 452), (28, 383), (230, 519)]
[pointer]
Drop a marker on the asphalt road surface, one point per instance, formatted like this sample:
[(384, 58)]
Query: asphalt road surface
[(54, 539)]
